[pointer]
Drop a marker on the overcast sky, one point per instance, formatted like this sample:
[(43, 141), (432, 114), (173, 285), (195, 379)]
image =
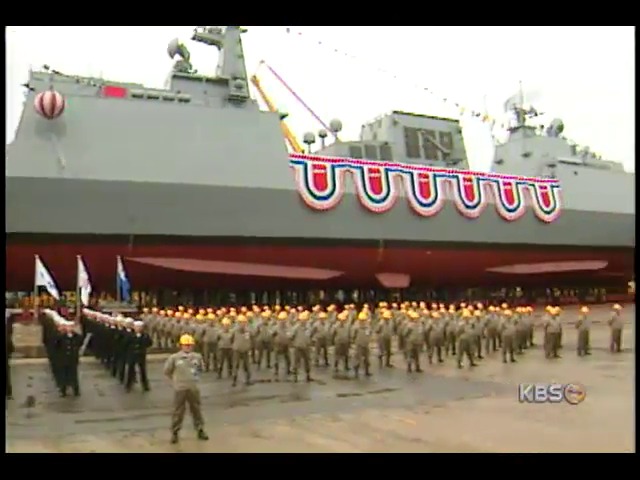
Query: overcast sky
[(583, 75)]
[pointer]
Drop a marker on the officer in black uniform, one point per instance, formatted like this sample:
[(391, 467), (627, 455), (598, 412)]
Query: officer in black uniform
[(118, 346), (123, 349), (68, 355), (51, 323), (136, 349)]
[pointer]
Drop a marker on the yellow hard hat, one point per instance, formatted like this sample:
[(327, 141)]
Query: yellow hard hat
[(178, 314), (343, 316), (187, 339), (186, 316), (435, 315), (170, 313), (504, 306), (226, 321), (617, 306), (584, 310), (282, 316), (322, 315), (479, 306), (265, 314), (362, 316), (466, 313), (145, 310), (181, 309), (387, 314), (303, 315), (211, 316), (242, 318), (199, 317), (202, 311), (162, 313), (477, 313), (507, 312)]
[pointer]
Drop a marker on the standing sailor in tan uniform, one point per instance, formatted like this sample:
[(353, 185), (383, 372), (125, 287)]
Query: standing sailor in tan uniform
[(508, 334), (241, 345), (616, 323), (321, 332), (465, 336), (184, 369), (552, 334), (583, 325), (225, 347), (491, 331), (436, 337), (282, 342), (414, 339), (384, 334), (361, 341), (210, 343), (341, 337), (301, 342)]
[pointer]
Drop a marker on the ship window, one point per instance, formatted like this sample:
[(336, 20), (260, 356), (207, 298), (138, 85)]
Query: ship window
[(386, 153), (446, 140), (429, 149), (370, 152), (355, 151), (412, 142)]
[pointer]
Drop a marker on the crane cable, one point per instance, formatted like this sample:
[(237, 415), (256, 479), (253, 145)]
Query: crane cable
[(297, 97)]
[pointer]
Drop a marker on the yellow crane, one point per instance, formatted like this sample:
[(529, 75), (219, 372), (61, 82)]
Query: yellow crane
[(288, 134)]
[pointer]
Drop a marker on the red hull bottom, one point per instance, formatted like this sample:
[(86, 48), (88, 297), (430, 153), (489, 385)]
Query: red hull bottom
[(352, 266)]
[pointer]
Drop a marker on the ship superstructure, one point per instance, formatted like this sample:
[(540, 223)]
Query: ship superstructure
[(195, 180)]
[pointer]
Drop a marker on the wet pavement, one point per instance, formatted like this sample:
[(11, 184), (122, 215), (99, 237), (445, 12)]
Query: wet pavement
[(442, 409)]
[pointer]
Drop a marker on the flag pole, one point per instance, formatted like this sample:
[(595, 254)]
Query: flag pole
[(35, 289), (78, 299), (118, 279)]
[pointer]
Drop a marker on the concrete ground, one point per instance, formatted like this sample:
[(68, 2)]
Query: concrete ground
[(441, 410)]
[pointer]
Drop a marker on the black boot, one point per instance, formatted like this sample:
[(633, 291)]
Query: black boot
[(174, 438), (202, 435)]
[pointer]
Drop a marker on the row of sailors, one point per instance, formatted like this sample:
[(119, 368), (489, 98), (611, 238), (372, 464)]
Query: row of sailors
[(232, 339), (439, 329), (120, 344)]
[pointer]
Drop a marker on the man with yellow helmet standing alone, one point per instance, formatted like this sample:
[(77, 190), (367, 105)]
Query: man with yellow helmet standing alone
[(184, 370)]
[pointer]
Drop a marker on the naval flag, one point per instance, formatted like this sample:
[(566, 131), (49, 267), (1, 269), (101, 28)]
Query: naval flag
[(84, 284), (124, 287), (44, 279)]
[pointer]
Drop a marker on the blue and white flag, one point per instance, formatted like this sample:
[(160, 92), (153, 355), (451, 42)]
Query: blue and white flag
[(84, 284), (44, 279), (124, 287)]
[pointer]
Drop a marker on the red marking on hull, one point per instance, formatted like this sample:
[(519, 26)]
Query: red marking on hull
[(320, 177), (444, 266), (374, 178)]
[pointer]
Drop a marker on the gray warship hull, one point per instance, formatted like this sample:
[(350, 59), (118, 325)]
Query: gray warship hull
[(209, 192)]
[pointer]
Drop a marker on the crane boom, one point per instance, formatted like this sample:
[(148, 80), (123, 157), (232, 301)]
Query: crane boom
[(288, 134)]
